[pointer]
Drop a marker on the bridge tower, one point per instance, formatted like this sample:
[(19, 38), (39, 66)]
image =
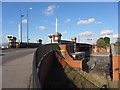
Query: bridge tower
[(74, 40), (11, 41), (57, 35)]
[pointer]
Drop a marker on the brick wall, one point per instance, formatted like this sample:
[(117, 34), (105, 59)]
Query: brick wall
[(70, 61), (116, 67), (102, 50), (97, 49), (61, 59)]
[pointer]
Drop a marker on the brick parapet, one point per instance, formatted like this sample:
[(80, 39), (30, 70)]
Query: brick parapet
[(116, 67)]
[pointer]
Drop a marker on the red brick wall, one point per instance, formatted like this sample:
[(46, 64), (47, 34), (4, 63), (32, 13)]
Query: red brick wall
[(62, 47), (61, 60), (55, 40), (75, 63), (69, 60), (97, 49), (116, 67), (108, 49), (102, 50)]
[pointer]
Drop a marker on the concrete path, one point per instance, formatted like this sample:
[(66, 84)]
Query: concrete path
[(17, 73)]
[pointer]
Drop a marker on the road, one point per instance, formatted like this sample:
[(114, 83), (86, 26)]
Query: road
[(17, 67), (11, 54)]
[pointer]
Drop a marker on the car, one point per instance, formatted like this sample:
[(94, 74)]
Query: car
[(3, 47)]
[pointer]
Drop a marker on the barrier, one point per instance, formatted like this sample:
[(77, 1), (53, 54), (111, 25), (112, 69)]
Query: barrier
[(40, 53)]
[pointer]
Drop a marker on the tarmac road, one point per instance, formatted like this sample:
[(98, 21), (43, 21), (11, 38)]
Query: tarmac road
[(17, 68), (11, 54)]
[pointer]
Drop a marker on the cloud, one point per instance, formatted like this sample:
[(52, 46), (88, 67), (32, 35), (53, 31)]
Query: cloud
[(68, 20), (91, 20), (112, 36), (42, 28), (85, 33), (50, 10), (106, 32), (65, 32), (24, 21)]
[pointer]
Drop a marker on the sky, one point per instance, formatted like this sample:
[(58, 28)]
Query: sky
[(86, 20)]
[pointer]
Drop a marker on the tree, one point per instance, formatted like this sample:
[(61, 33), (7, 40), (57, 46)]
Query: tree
[(101, 43), (101, 38), (107, 40)]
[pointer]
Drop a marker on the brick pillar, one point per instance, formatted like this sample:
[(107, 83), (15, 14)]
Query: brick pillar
[(56, 39), (108, 49), (74, 40), (116, 67)]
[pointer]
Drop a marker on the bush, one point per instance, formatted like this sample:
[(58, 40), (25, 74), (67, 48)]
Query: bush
[(101, 43)]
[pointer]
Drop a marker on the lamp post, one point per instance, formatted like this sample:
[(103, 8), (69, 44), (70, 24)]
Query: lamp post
[(50, 36), (78, 38), (27, 26), (21, 15)]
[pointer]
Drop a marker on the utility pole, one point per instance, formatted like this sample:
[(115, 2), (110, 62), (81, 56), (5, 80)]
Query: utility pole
[(21, 15), (56, 25), (19, 33), (28, 26), (78, 38)]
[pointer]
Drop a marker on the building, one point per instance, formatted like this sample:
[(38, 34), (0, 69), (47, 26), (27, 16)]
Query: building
[(115, 57), (11, 41)]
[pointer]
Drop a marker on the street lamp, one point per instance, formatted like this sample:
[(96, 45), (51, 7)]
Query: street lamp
[(78, 38), (21, 15), (27, 26), (50, 36)]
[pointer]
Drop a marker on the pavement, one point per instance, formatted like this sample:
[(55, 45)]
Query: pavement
[(17, 72)]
